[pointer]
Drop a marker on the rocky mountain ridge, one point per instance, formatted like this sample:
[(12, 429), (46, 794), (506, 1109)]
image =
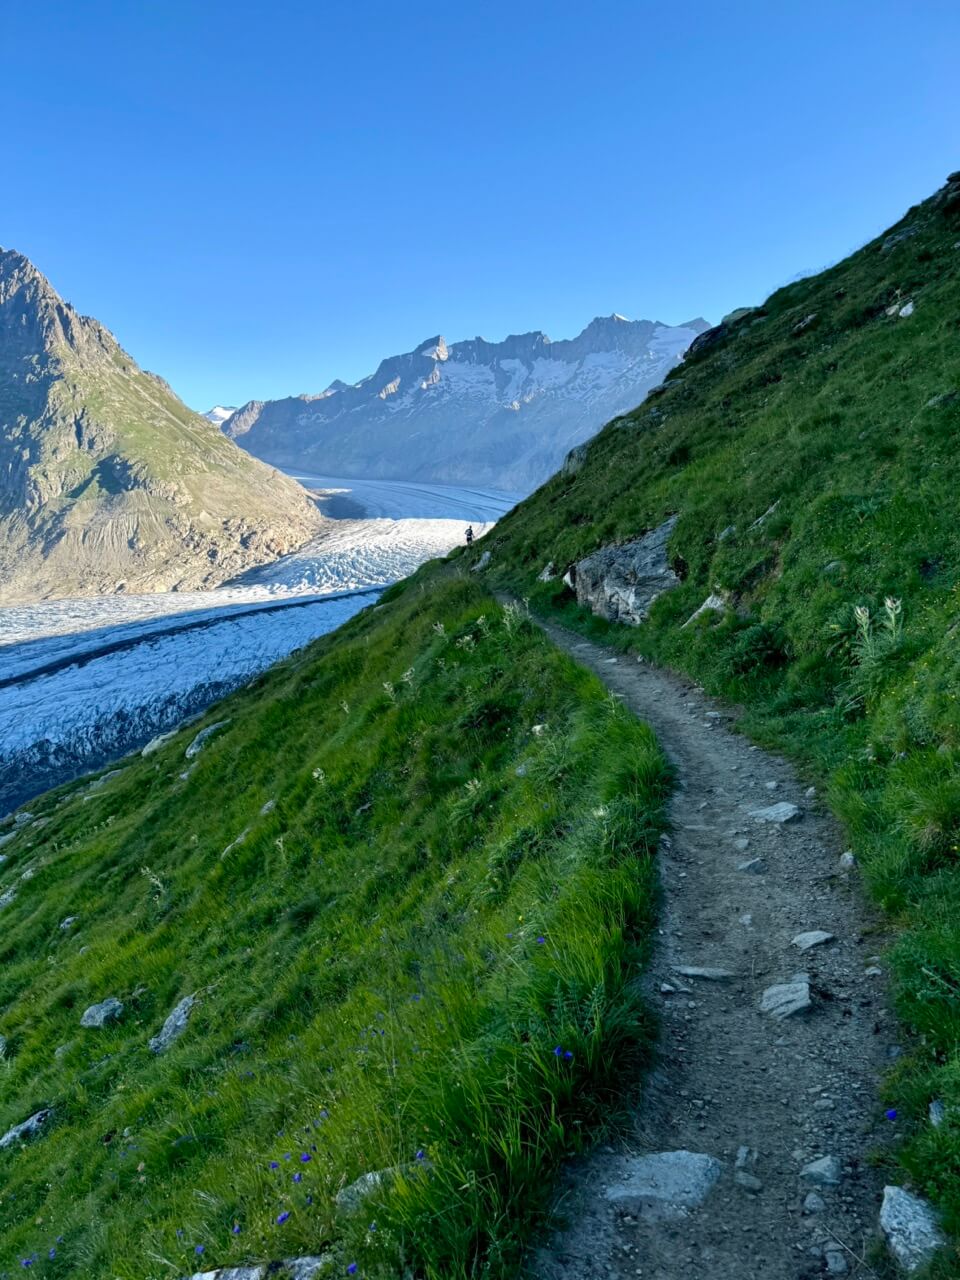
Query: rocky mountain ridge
[(108, 481), (493, 413)]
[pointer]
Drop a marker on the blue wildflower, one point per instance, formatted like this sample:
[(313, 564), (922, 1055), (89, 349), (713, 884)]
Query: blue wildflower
[(282, 1217), (298, 1177), (351, 1270), (305, 1157), (541, 939), (274, 1164), (891, 1114), (235, 1228), (421, 1155), (568, 1055), (558, 1051), (200, 1249)]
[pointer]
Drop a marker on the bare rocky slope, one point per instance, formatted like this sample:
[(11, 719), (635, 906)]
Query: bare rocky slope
[(494, 413), (108, 482)]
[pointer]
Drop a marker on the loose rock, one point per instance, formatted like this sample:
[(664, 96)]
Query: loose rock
[(778, 813), (824, 1172), (813, 938), (786, 998), (698, 971)]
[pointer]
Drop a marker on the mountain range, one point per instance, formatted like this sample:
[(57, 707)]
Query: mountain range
[(501, 414), (108, 482)]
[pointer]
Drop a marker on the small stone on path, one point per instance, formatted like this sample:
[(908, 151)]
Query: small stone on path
[(814, 1203), (786, 998), (697, 971), (824, 1172), (778, 813), (813, 938), (755, 866)]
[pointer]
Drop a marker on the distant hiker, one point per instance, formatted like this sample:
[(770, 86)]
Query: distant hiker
[(469, 534)]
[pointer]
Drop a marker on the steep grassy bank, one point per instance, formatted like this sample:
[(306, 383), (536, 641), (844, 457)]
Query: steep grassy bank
[(811, 452), (409, 882)]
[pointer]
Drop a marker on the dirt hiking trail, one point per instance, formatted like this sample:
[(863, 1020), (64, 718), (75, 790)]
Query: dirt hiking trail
[(749, 1154)]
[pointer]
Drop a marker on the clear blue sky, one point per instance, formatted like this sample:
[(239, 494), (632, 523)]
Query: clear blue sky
[(257, 198)]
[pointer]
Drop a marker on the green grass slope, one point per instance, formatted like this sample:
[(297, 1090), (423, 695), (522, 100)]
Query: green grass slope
[(409, 882), (812, 453)]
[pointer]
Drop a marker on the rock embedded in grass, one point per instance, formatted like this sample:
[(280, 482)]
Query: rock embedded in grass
[(910, 1227), (174, 1026), (200, 741), (26, 1129), (102, 1014)]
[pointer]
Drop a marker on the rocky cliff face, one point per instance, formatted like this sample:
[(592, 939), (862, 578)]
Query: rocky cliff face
[(497, 413), (108, 482)]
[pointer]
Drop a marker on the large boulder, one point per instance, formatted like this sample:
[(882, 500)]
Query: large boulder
[(621, 583)]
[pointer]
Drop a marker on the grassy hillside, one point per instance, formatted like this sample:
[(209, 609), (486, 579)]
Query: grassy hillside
[(812, 455), (408, 880)]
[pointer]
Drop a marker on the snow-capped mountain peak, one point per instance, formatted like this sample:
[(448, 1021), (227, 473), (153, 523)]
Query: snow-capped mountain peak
[(219, 414), (501, 414)]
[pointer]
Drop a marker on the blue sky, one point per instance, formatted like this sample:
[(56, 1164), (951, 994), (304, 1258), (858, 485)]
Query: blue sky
[(257, 198)]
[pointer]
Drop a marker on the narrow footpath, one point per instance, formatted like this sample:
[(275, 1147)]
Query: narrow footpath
[(749, 1155)]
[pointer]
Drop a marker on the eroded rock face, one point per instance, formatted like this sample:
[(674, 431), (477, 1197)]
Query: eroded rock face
[(621, 583)]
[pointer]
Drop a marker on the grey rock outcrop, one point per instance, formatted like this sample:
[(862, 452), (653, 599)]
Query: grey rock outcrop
[(910, 1227), (666, 1185), (102, 1014), (174, 1026), (621, 583), (290, 1269)]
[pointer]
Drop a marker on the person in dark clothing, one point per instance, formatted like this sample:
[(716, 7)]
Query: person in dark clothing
[(469, 534)]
